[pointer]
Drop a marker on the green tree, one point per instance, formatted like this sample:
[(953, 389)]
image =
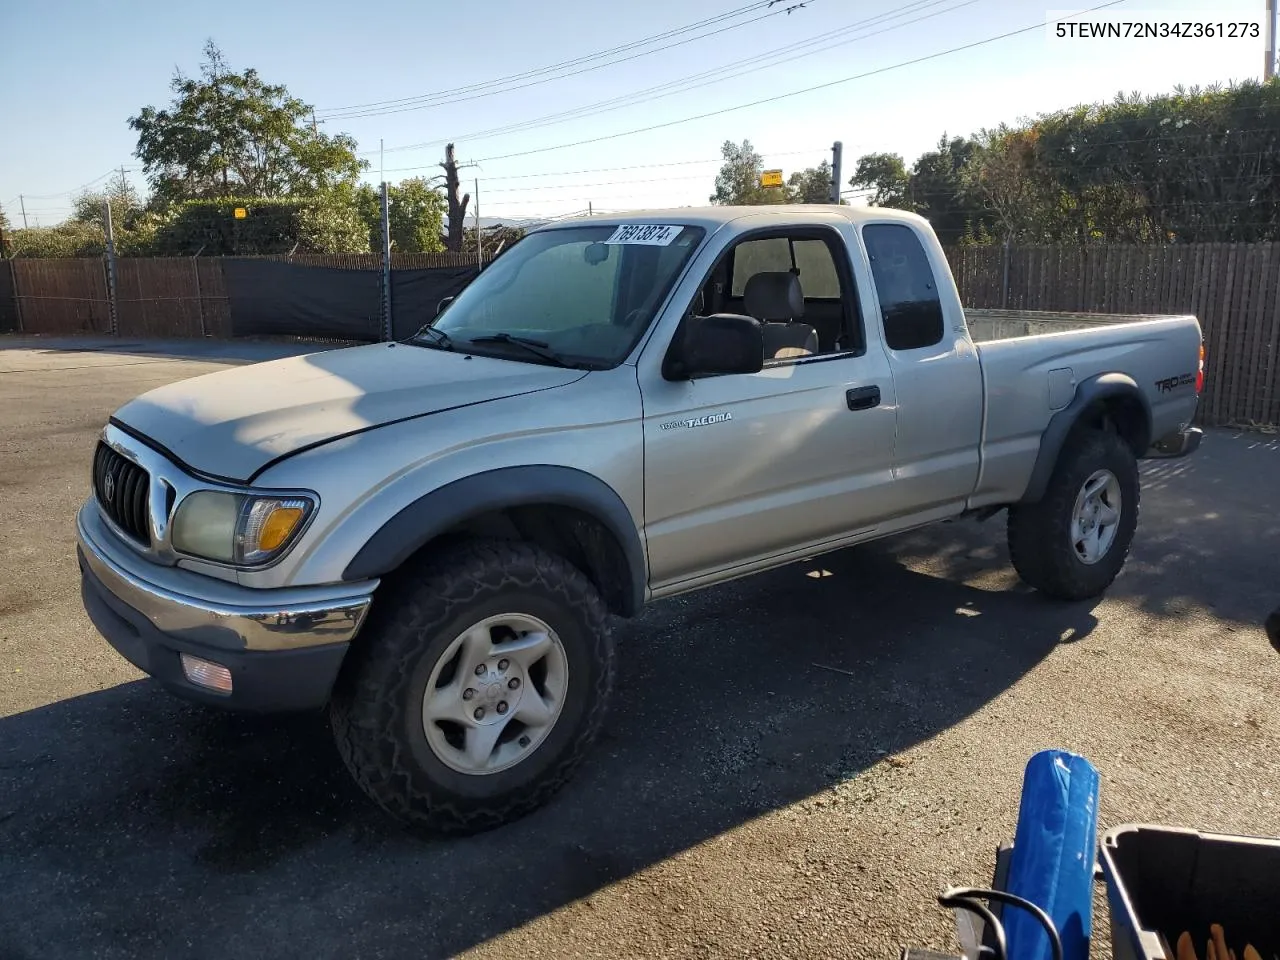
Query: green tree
[(231, 134), (738, 182), (333, 222), (811, 185), (415, 212), (126, 205), (886, 175), (4, 219), (939, 189)]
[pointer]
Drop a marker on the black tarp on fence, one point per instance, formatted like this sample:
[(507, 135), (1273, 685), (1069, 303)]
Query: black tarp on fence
[(415, 295), (277, 298), (8, 300)]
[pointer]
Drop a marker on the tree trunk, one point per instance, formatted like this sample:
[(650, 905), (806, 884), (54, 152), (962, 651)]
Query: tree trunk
[(457, 207)]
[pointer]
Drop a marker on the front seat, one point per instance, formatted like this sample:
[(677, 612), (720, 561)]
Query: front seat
[(777, 301)]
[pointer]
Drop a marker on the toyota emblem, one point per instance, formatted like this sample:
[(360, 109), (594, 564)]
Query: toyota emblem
[(109, 487)]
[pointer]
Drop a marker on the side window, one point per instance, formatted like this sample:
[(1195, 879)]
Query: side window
[(829, 322), (758, 256), (813, 261), (905, 285), (817, 270)]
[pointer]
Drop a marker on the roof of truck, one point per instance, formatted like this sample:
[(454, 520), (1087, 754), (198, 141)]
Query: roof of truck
[(716, 216)]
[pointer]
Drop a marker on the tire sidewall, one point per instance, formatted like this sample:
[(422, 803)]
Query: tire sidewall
[(1096, 452), (578, 637)]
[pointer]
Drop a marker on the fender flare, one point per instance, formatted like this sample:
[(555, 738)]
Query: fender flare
[(1102, 386), (432, 514)]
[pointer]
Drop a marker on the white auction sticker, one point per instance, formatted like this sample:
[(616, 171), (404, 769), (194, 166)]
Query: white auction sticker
[(647, 234)]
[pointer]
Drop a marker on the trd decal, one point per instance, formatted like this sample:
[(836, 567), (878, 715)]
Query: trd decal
[(1172, 383)]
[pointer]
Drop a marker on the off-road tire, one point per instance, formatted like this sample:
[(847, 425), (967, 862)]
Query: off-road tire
[(1039, 534), (376, 707)]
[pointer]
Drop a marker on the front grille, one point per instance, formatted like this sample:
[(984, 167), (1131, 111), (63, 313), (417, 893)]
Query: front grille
[(123, 491)]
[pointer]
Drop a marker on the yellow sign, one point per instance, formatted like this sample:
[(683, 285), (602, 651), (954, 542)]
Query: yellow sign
[(771, 178), (241, 213)]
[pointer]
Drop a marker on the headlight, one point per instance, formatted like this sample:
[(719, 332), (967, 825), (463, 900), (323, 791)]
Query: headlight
[(238, 528)]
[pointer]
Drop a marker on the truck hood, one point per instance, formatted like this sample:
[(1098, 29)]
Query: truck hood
[(232, 423)]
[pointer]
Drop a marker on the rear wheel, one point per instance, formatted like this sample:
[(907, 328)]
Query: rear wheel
[(483, 681), (1073, 543)]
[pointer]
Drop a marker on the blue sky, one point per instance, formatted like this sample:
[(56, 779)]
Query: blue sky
[(75, 70)]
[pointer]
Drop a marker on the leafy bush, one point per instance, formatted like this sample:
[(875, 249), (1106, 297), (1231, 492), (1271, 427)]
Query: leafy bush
[(322, 224), (65, 240)]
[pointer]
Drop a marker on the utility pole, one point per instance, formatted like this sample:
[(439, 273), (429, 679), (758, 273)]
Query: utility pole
[(479, 251), (1269, 68), (388, 328), (23, 204), (111, 268), (837, 155)]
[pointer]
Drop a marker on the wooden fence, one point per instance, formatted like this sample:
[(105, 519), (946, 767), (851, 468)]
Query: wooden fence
[(1234, 290), (154, 297)]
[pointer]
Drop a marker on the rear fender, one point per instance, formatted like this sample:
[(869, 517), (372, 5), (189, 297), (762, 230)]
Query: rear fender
[(1103, 388)]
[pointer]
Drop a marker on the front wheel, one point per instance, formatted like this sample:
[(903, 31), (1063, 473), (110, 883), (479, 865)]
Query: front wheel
[(1073, 543), (482, 684)]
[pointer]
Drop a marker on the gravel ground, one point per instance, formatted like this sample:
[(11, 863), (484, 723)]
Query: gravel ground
[(795, 765)]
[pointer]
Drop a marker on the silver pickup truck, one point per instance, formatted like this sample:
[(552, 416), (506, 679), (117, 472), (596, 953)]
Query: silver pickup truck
[(429, 537)]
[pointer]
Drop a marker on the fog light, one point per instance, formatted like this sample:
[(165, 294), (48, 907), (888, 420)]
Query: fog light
[(203, 673)]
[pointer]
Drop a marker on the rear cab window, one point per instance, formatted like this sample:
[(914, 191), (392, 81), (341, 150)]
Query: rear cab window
[(906, 287)]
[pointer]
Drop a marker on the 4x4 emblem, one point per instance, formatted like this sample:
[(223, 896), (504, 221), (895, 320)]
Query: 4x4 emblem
[(109, 487)]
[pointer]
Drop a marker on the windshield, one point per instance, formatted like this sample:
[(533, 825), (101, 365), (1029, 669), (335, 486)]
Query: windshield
[(584, 295)]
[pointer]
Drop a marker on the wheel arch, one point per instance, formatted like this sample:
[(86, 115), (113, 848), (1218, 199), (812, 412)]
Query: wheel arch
[(562, 509), (1107, 401)]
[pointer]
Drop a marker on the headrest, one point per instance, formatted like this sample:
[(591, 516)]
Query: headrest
[(774, 296)]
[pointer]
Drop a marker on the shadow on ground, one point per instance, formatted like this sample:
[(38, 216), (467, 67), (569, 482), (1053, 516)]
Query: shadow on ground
[(1208, 535), (132, 824)]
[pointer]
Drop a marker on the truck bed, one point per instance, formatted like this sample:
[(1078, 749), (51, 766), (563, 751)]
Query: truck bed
[(1032, 362), (986, 326)]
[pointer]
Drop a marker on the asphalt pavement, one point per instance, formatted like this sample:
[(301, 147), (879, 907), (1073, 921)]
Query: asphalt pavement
[(795, 765)]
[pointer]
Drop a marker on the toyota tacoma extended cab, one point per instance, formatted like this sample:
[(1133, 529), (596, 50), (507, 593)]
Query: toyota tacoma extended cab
[(428, 538)]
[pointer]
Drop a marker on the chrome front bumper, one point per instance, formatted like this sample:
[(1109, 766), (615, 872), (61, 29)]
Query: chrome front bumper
[(214, 613)]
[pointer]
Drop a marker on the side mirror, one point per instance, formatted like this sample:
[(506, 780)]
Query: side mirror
[(720, 343), (442, 304)]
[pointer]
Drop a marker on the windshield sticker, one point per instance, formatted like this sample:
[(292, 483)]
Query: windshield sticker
[(697, 421), (645, 234)]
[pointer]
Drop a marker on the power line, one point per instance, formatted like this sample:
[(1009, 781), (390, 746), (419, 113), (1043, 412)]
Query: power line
[(478, 91), (718, 74), (640, 166), (588, 186), (794, 93), (85, 186), (556, 66)]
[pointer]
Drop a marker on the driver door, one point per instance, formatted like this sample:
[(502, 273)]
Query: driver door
[(744, 469)]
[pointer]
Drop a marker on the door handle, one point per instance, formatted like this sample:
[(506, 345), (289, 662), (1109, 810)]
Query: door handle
[(863, 398)]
